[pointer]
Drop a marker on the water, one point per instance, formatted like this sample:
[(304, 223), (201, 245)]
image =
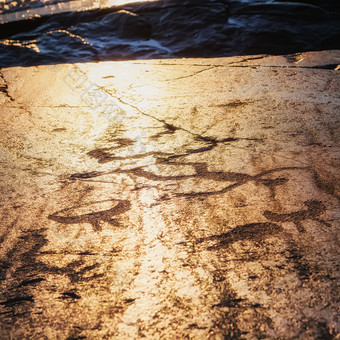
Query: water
[(51, 31)]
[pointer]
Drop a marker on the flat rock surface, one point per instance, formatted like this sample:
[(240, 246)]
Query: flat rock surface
[(172, 199)]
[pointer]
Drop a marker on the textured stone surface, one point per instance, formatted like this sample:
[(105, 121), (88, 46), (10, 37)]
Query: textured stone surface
[(194, 198)]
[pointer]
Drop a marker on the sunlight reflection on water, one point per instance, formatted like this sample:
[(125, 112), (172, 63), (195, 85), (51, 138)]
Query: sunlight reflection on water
[(63, 7)]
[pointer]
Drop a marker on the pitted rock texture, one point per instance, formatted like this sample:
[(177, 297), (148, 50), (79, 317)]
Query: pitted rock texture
[(170, 199)]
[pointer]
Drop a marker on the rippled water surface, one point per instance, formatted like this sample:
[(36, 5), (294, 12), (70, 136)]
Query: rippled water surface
[(44, 32)]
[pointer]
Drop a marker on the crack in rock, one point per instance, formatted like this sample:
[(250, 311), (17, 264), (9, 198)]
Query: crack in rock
[(4, 87)]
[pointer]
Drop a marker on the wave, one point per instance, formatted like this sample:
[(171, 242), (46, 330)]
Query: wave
[(78, 31)]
